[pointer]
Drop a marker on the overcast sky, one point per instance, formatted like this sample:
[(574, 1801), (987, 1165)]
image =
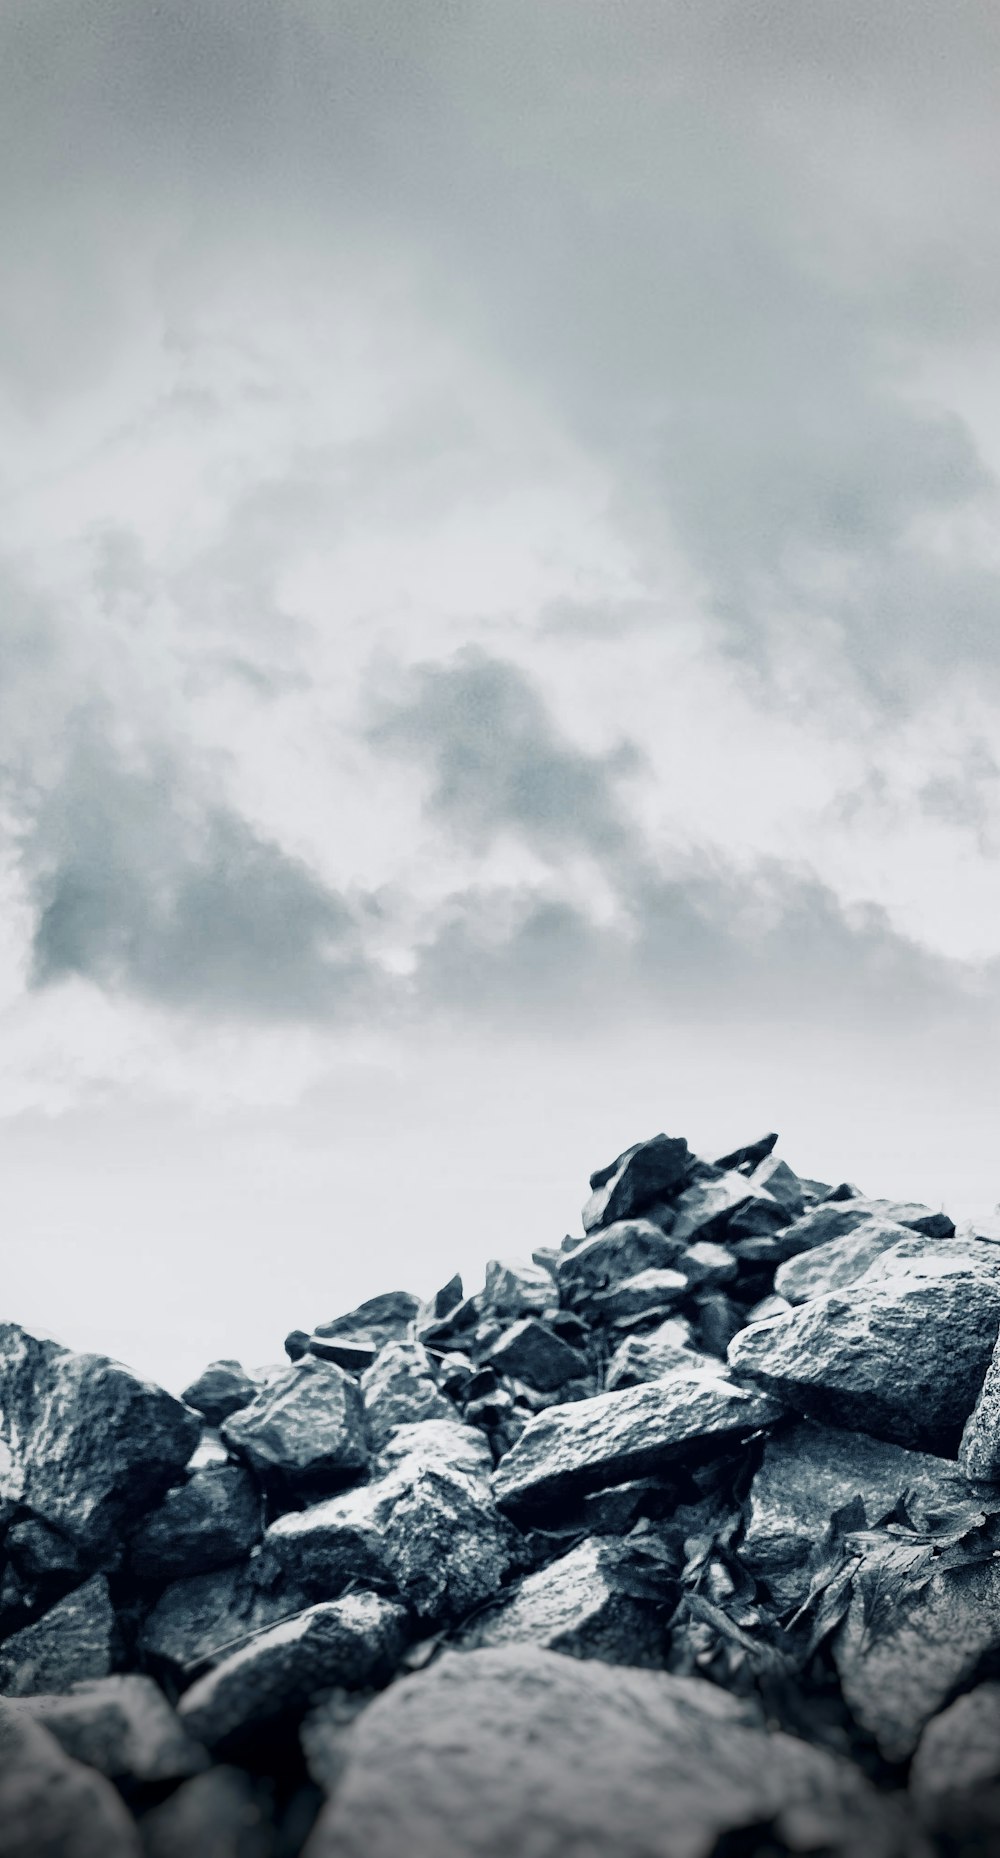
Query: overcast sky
[(499, 636)]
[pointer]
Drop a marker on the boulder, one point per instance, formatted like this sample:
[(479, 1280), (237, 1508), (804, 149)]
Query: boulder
[(650, 1356), (979, 1450), (727, 1204), (74, 1640), (401, 1388), (519, 1750), (835, 1217), (617, 1252), (208, 1522), (644, 1175), (776, 1178), (196, 1621), (123, 1726), (532, 1352), (355, 1641), (353, 1340), (614, 1437), (642, 1298), (221, 1389), (512, 1290), (838, 1262), (52, 1806), (958, 1753), (305, 1431), (580, 1605), (221, 1814), (84, 1443)]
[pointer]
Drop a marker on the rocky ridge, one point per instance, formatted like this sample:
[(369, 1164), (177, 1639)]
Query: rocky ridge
[(679, 1539)]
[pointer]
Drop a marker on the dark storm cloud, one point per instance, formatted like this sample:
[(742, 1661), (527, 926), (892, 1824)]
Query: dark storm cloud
[(497, 761)]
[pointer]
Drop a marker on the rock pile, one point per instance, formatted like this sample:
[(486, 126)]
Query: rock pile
[(681, 1540)]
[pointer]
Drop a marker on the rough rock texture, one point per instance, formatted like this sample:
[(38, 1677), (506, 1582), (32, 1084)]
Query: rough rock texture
[(52, 1806), (123, 1726), (401, 1386), (220, 1390), (837, 1261), (979, 1449), (195, 1620), (207, 1522), (304, 1431), (642, 1177), (74, 1640), (579, 1604), (534, 1353)]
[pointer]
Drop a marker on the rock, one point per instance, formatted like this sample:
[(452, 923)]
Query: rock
[(704, 1262), (776, 1178), (222, 1388), (749, 1157), (322, 1734), (212, 1520), (354, 1641), (448, 1297), (648, 1357), (520, 1750), (74, 1640), (401, 1388), (197, 1620), (809, 1471), (221, 1814), (614, 1437), (36, 1551), (533, 1353), (427, 1528), (902, 1355), (84, 1443), (728, 1204), (979, 1450), (837, 1262), (642, 1298), (51, 1806), (620, 1251), (513, 1290), (645, 1174), (958, 1753), (354, 1353), (837, 1217), (578, 1605), (304, 1432), (382, 1319), (123, 1726)]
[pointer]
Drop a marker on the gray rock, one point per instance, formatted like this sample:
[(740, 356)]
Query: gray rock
[(809, 1471), (727, 1204), (618, 1252), (979, 1451), (354, 1641), (37, 1550), (519, 1750), (75, 1639), (222, 1388), (427, 1528), (533, 1353), (578, 1605), (382, 1319), (749, 1157), (51, 1806), (83, 1442), (705, 1262), (644, 1175), (777, 1179), (123, 1726), (353, 1353), (221, 1814), (323, 1738), (448, 1297), (648, 1357), (513, 1290), (901, 1354), (400, 1389), (835, 1218), (617, 1436), (958, 1752), (305, 1431), (197, 1620), (837, 1262), (642, 1298), (208, 1522)]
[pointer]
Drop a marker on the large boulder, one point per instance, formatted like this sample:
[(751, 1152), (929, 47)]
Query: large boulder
[(519, 1750), (52, 1806), (74, 1640), (305, 1431), (84, 1443)]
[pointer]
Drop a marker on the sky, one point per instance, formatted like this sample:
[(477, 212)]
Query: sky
[(499, 630)]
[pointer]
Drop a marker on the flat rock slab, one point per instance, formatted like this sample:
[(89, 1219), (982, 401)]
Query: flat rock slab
[(73, 1641), (52, 1806), (518, 1750), (212, 1519), (835, 1218), (355, 1641), (121, 1725), (607, 1257), (221, 1814), (304, 1431), (837, 1262), (901, 1354), (614, 1437), (644, 1175), (84, 1443), (580, 1605)]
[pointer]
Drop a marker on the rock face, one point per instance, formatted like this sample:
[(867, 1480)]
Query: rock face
[(680, 1541)]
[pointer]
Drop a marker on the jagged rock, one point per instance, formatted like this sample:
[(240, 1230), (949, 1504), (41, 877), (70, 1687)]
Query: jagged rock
[(362, 1332), (305, 1431), (454, 1328), (928, 1640), (728, 1204), (221, 1814), (209, 1522), (648, 1357), (617, 1252), (351, 1352), (37, 1550), (979, 1451), (195, 1621), (958, 1753), (837, 1262), (354, 1641), (838, 1216), (74, 1640), (448, 1297), (123, 1726), (642, 1298), (512, 1290), (297, 1344), (84, 1443), (580, 1605), (777, 1179), (704, 1262), (221, 1389), (52, 1806), (809, 1471), (901, 1354), (427, 1528), (516, 1749), (749, 1157), (636, 1180), (401, 1388), (617, 1436), (532, 1352)]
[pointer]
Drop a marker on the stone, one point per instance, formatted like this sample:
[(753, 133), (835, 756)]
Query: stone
[(614, 1437), (514, 1749), (354, 1353), (618, 1252), (834, 1218), (197, 1620), (221, 1814), (728, 1204), (37, 1551), (837, 1262), (448, 1297), (401, 1388), (220, 1389), (427, 1528), (75, 1639), (642, 1298), (52, 1806), (513, 1290), (84, 1443), (648, 1357), (777, 1179), (749, 1157), (121, 1725), (577, 1605), (901, 1354), (645, 1174), (807, 1472), (532, 1352), (354, 1641), (979, 1449), (208, 1522), (382, 1319), (305, 1431), (704, 1262), (958, 1752)]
